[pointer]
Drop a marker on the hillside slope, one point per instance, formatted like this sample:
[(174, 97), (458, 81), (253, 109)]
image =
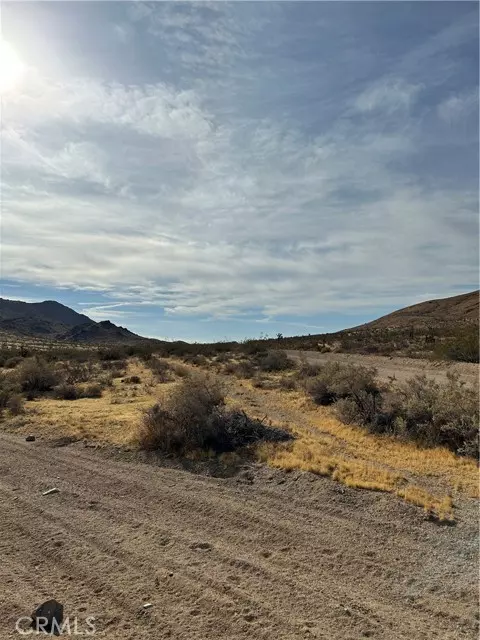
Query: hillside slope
[(457, 310)]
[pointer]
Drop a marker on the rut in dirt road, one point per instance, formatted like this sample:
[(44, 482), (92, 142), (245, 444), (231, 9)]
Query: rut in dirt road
[(268, 555)]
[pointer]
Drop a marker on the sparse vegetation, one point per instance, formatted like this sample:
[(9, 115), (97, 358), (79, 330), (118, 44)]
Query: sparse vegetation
[(194, 417), (35, 377)]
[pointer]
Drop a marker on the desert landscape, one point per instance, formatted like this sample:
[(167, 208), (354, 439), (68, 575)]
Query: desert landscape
[(239, 320), (286, 519)]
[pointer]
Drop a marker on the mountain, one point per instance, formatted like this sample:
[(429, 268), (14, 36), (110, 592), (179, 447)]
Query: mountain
[(55, 321), (457, 311), (104, 331)]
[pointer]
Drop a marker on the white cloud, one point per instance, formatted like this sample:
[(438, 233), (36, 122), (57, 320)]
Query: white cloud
[(149, 194), (457, 107), (390, 94)]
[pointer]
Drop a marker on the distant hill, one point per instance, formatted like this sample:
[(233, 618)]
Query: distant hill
[(55, 321), (455, 311)]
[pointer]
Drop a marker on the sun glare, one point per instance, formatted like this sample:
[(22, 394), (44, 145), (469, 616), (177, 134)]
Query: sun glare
[(11, 67)]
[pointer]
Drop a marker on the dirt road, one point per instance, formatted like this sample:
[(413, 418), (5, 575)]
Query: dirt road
[(400, 368), (261, 555)]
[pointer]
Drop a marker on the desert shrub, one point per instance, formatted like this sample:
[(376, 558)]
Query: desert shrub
[(287, 383), (436, 414), (93, 390), (77, 371), (179, 370), (462, 348), (243, 369), (196, 359), (194, 417), (133, 380), (66, 391), (319, 391), (35, 377), (308, 369), (8, 389), (274, 361), (160, 369), (111, 353), (114, 365), (15, 404), (11, 363)]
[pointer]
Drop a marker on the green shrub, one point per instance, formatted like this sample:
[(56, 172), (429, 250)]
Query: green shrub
[(462, 348), (36, 377), (9, 388)]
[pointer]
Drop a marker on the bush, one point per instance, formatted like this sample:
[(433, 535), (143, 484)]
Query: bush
[(67, 392), (437, 414), (274, 361), (15, 404), (160, 369), (77, 371), (8, 389), (194, 417), (93, 390), (35, 377), (11, 363), (179, 370), (133, 380), (463, 348)]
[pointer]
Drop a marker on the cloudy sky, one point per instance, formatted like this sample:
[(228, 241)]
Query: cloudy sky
[(210, 170)]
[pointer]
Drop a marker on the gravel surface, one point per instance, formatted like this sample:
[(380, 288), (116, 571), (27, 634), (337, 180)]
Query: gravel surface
[(263, 554), (394, 367)]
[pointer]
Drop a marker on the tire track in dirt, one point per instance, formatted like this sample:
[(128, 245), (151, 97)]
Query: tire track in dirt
[(281, 559)]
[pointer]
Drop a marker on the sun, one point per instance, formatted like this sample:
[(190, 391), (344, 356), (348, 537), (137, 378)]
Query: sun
[(11, 67)]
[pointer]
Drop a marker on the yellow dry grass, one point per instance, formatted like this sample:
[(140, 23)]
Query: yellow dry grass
[(356, 458), (114, 418), (323, 444)]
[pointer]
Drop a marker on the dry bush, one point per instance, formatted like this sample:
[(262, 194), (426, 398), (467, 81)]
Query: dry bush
[(274, 361), (436, 414), (132, 380), (93, 390), (16, 405), (243, 369), (287, 383), (194, 418), (11, 363), (356, 385), (161, 369), (76, 371), (308, 370), (179, 370), (66, 391), (9, 388), (36, 377), (420, 409)]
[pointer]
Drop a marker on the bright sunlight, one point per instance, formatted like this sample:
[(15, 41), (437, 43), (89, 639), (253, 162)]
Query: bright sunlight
[(11, 67)]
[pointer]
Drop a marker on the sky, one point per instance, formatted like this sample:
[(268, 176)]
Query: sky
[(221, 170)]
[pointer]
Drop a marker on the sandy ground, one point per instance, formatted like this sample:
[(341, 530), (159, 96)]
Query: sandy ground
[(264, 554), (399, 368)]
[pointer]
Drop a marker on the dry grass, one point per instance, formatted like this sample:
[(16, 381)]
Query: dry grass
[(323, 445), (356, 458), (113, 418)]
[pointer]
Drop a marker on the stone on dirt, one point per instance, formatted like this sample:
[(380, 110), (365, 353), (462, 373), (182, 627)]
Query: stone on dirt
[(30, 439), (48, 617)]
